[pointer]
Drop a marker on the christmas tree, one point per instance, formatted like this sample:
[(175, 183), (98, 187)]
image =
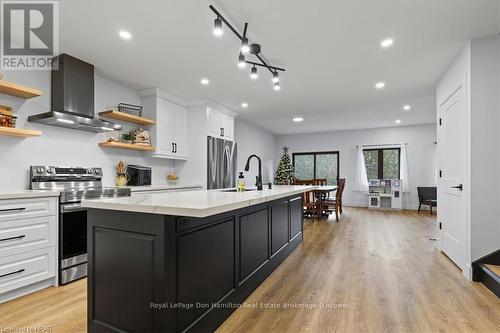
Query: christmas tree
[(285, 172)]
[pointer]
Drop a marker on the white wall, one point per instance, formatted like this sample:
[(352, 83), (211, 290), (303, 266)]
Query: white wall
[(61, 146), (485, 139), (421, 154), (255, 140)]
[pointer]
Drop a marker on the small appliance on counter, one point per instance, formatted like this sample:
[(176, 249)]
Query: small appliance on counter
[(138, 175)]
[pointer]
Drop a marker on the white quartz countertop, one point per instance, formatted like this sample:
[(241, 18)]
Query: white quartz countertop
[(200, 203), (166, 187), (28, 194)]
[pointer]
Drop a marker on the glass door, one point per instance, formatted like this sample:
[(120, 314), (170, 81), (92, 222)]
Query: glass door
[(319, 165)]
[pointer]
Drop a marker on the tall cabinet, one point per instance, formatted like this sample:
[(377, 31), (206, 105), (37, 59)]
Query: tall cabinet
[(205, 118), (170, 132)]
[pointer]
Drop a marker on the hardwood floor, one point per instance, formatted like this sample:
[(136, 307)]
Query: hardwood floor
[(373, 271), (52, 310), (495, 268)]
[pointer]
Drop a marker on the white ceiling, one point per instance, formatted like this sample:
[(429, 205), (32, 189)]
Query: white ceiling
[(330, 50)]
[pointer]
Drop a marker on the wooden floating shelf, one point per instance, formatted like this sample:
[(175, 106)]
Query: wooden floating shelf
[(19, 132), (16, 90), (121, 145), (130, 118)]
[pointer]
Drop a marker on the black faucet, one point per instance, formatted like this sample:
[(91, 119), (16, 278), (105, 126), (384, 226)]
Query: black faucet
[(258, 181)]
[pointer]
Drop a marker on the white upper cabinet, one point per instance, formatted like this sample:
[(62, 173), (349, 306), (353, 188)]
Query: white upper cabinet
[(169, 134), (181, 132), (220, 125)]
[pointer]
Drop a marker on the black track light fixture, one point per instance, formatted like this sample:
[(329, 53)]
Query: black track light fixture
[(253, 74), (247, 48), (276, 79), (241, 61), (218, 27)]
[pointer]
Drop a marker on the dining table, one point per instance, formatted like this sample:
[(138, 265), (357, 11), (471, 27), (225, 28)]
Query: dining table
[(325, 189), (321, 192)]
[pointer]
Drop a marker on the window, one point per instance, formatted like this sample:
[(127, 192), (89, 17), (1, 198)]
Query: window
[(382, 163), (323, 165)]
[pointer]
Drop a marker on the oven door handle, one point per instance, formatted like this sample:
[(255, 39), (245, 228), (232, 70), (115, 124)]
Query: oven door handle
[(72, 208)]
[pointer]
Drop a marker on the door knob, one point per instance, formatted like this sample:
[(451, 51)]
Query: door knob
[(459, 187)]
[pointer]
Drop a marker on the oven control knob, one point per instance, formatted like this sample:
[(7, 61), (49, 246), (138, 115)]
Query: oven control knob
[(97, 171), (40, 170), (90, 171), (52, 170)]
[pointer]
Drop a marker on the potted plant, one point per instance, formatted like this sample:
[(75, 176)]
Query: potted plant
[(128, 137)]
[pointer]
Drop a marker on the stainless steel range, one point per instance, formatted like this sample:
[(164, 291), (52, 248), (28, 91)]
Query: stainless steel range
[(75, 184)]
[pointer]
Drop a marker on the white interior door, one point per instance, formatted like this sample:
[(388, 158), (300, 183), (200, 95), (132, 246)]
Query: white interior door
[(451, 199)]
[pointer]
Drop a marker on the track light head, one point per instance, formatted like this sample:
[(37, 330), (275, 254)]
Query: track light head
[(245, 48), (276, 79), (218, 27), (241, 61), (255, 49), (253, 74), (277, 86)]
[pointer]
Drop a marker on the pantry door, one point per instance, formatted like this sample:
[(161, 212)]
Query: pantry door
[(452, 208)]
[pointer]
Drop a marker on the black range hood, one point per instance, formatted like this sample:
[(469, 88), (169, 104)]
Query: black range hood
[(72, 98)]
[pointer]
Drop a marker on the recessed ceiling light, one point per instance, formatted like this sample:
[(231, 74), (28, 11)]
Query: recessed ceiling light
[(398, 121), (298, 119), (380, 85), (387, 42), (205, 82), (125, 34), (406, 107), (244, 105)]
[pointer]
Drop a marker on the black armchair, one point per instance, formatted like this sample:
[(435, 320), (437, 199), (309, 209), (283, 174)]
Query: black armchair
[(427, 196)]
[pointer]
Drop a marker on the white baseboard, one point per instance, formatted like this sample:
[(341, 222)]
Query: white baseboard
[(10, 295), (365, 205)]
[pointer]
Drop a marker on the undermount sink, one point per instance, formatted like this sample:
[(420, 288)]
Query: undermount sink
[(235, 190)]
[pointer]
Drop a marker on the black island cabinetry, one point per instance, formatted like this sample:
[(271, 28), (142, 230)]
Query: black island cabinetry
[(162, 273)]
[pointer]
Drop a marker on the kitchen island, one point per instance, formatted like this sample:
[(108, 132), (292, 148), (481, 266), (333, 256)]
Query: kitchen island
[(184, 261)]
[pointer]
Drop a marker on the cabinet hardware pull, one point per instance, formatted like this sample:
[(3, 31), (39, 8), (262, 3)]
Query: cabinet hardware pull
[(12, 238), (172, 147), (175, 148), (222, 131), (459, 187), (12, 209), (12, 273)]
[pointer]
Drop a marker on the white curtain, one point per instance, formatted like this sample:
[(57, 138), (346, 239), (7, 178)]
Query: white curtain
[(403, 171), (361, 179)]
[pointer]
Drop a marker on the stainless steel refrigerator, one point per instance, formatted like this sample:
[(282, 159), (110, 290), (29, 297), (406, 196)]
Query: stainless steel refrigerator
[(221, 163)]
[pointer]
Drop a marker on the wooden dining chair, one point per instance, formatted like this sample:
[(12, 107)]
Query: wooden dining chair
[(304, 181), (319, 182), (335, 203), (310, 203)]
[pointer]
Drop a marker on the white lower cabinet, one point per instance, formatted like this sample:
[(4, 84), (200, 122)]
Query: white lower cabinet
[(26, 235), (28, 246), (20, 270)]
